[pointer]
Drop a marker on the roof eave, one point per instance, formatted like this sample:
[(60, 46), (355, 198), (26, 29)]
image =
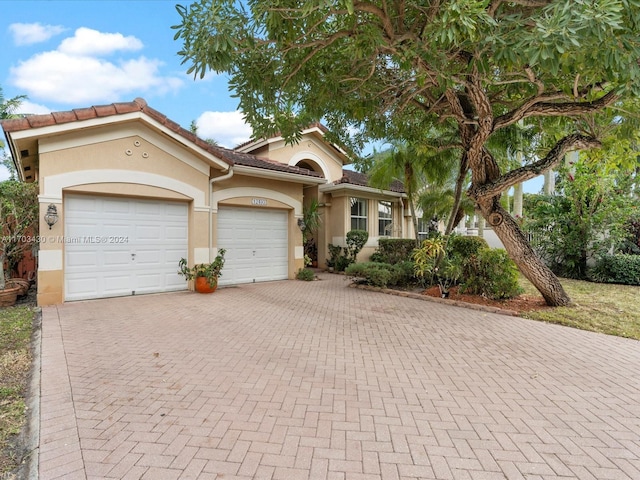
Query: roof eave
[(277, 175), (116, 119), (329, 188)]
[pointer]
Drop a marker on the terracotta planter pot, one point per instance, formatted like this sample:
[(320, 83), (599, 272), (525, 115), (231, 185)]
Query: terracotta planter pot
[(21, 283), (202, 285), (8, 296)]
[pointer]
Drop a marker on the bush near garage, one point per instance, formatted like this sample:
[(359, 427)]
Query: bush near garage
[(306, 274)]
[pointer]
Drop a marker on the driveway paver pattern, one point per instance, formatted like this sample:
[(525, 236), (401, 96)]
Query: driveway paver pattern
[(316, 380)]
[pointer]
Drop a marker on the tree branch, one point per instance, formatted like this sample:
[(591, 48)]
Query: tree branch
[(378, 12), (542, 105), (554, 156)]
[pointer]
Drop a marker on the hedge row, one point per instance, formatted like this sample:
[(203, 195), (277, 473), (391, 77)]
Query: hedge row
[(621, 268)]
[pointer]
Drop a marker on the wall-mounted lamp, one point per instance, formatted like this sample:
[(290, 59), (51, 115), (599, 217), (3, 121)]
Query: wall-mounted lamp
[(51, 217), (301, 224)]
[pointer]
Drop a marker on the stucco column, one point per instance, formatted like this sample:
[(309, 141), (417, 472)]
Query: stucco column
[(50, 257)]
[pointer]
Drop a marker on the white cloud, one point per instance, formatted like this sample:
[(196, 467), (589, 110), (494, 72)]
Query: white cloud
[(227, 128), (33, 108), (30, 33), (92, 42), (76, 74)]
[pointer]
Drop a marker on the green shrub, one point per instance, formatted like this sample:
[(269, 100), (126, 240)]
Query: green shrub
[(393, 250), (465, 246), (620, 268), (356, 240), (491, 273), (305, 274), (380, 274), (370, 273), (402, 274), (342, 263), (379, 257), (425, 257), (449, 272), (334, 253), (340, 258)]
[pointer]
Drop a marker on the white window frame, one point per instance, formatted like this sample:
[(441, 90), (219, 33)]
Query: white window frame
[(385, 223), (359, 217), (423, 228)]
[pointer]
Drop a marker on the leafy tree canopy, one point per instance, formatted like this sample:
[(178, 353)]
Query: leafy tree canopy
[(392, 69), (368, 63)]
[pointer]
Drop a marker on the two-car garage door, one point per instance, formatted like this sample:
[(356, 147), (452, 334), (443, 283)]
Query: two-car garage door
[(122, 246)]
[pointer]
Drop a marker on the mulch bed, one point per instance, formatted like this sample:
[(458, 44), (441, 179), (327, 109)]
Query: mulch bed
[(521, 303)]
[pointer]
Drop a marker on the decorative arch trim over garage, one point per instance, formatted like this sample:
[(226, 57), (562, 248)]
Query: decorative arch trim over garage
[(54, 184), (301, 156), (252, 192)]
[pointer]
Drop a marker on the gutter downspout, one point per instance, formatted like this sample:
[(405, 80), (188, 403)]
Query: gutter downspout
[(226, 176)]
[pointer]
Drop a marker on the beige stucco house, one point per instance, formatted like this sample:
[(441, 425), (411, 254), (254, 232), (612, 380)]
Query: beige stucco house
[(134, 192)]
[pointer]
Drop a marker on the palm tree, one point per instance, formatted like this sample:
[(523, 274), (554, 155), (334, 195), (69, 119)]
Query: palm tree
[(421, 167), (7, 109)]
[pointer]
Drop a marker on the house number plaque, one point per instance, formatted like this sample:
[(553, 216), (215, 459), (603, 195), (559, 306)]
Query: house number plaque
[(262, 202)]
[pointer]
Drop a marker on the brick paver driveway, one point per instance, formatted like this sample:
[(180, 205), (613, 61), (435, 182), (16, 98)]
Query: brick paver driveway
[(297, 380)]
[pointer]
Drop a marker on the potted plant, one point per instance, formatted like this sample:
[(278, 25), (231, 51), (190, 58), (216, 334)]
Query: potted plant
[(205, 275), (18, 229)]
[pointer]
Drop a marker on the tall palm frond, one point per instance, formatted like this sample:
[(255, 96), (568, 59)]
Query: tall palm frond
[(8, 107)]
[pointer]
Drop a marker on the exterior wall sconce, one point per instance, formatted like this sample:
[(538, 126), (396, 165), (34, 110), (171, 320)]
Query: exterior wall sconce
[(301, 224), (51, 217)]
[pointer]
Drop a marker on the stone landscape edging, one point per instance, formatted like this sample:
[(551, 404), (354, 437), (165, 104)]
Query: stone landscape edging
[(444, 301)]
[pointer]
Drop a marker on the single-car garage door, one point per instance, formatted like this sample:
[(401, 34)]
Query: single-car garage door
[(257, 244), (123, 246)]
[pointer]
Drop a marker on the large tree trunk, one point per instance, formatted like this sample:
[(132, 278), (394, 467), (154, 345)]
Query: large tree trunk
[(474, 112), (484, 172), (518, 248), (456, 213)]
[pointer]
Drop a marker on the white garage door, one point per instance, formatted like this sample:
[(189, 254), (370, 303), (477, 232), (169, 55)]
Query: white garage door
[(118, 246), (257, 245)]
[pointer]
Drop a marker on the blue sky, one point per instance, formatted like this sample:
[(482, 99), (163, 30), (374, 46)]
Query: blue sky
[(66, 54)]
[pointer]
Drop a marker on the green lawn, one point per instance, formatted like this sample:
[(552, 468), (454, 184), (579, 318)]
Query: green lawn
[(16, 324), (598, 307)]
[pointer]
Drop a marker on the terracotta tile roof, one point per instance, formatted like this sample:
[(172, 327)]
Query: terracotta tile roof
[(140, 105), (248, 160), (352, 177), (313, 125)]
